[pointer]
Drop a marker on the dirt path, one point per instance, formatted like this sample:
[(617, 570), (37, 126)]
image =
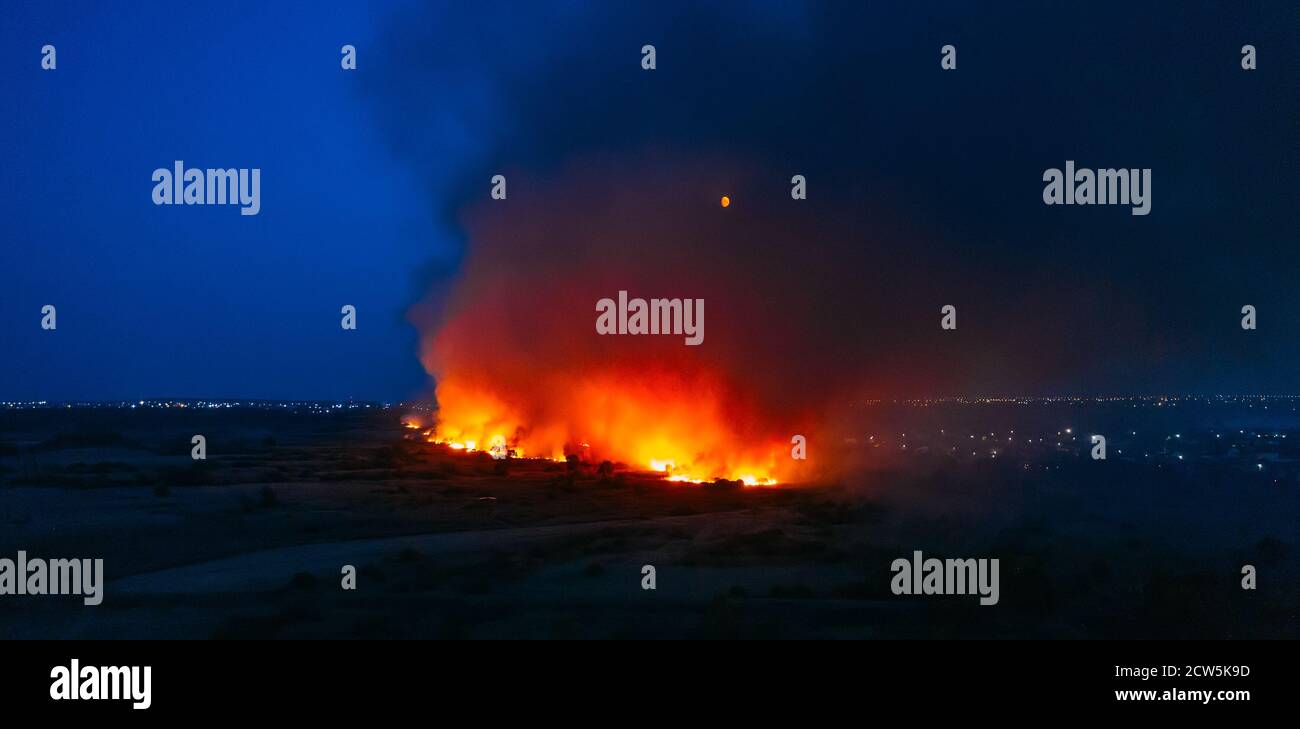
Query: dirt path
[(273, 568)]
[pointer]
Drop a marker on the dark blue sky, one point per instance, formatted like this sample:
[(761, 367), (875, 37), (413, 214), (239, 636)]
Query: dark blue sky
[(365, 175), (197, 301)]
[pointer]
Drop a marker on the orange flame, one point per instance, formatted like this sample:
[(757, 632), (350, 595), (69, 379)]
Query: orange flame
[(520, 366), (654, 422)]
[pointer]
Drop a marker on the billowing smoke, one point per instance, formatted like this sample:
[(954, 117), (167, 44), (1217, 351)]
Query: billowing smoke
[(614, 176), (515, 352)]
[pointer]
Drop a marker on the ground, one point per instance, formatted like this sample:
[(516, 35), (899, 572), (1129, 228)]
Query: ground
[(251, 542)]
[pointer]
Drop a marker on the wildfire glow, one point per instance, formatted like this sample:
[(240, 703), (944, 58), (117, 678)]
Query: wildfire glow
[(518, 365), (648, 422)]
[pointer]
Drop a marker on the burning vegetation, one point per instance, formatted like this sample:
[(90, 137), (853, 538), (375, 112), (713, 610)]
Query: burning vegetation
[(524, 367), (651, 422)]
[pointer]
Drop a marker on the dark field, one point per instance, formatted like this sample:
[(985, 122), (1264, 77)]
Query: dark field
[(250, 542)]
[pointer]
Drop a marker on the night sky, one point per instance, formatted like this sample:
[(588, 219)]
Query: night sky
[(925, 187)]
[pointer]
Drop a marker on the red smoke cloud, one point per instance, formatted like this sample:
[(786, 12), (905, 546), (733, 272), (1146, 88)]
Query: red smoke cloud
[(515, 353)]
